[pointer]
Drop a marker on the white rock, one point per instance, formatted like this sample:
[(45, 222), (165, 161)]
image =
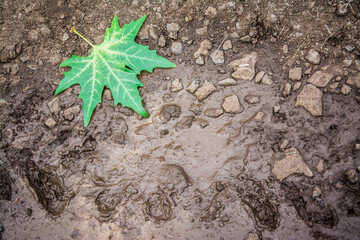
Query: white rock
[(287, 89), (313, 57), (200, 61), (176, 85), (218, 57), (292, 163), (227, 82), (205, 90), (231, 104), (245, 67), (311, 99), (162, 41), (177, 48), (259, 76)]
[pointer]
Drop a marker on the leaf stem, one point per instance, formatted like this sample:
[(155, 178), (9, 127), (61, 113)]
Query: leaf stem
[(73, 30)]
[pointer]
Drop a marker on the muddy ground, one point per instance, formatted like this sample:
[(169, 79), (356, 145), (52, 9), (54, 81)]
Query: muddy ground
[(272, 153)]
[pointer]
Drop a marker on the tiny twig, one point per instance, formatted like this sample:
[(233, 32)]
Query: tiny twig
[(220, 45)]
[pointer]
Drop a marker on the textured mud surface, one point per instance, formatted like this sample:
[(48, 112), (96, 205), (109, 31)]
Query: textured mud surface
[(272, 152)]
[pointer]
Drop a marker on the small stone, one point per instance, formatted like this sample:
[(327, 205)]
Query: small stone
[(316, 192), (210, 12), (152, 32), (284, 144), (252, 99), (277, 109), (70, 113), (231, 104), (351, 176), (259, 76), (200, 61), (201, 31), (245, 67), (65, 37), (295, 73), (213, 112), (287, 89), (227, 45), (297, 86), (246, 38), (172, 27), (333, 87), (176, 85), (162, 41), (347, 62), (357, 146), (320, 166), (292, 163), (205, 90), (177, 48), (204, 48), (54, 105), (308, 71), (266, 80), (227, 82), (107, 94), (338, 79), (311, 99), (50, 123), (218, 57), (144, 33), (320, 78), (345, 89), (202, 122), (253, 236), (14, 69), (313, 57), (195, 108), (259, 116), (349, 48), (285, 49), (193, 86)]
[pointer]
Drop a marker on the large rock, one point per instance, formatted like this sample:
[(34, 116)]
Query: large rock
[(311, 99), (245, 67), (292, 163), (320, 78)]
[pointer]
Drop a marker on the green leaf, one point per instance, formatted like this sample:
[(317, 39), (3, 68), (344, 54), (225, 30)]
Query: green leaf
[(114, 64)]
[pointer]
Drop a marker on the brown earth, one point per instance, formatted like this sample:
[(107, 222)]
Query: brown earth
[(272, 166)]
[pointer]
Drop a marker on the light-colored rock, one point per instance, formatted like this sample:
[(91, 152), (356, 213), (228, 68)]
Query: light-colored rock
[(218, 57), (50, 123), (204, 48), (287, 89), (54, 105), (259, 116), (345, 89), (316, 192), (201, 31), (200, 61), (172, 27), (144, 33), (177, 48), (176, 85), (320, 166), (193, 86), (70, 113), (352, 176), (295, 73), (259, 76), (297, 86), (284, 144), (311, 99), (246, 38), (227, 45), (107, 94), (277, 109), (152, 32), (357, 146), (285, 49), (227, 82), (292, 163), (266, 80), (253, 236), (354, 80), (231, 104), (252, 99), (213, 112), (313, 57), (320, 78), (162, 41), (210, 12), (245, 67), (333, 87), (205, 90)]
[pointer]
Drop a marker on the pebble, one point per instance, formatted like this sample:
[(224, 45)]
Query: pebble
[(253, 236), (227, 82), (259, 116), (284, 144), (152, 32), (345, 89), (285, 49), (172, 27), (259, 76), (297, 86), (65, 37), (287, 89), (227, 45), (176, 85), (162, 41), (277, 109), (252, 99), (218, 57), (54, 105), (295, 73), (333, 87), (70, 113), (245, 67), (357, 146), (292, 163), (205, 90), (213, 112), (246, 38), (311, 99), (313, 57), (320, 78), (193, 86), (231, 104), (210, 12), (177, 48), (144, 33), (316, 192), (204, 48), (349, 48), (266, 80), (351, 175), (200, 61), (50, 123), (201, 31), (107, 94), (320, 166)]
